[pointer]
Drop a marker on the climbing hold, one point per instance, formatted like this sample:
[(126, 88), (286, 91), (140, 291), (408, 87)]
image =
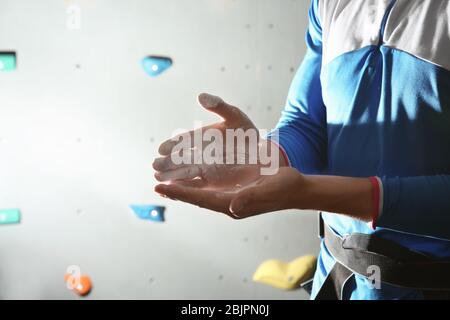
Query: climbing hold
[(155, 65), (7, 61), (9, 216), (80, 284), (149, 212), (284, 275)]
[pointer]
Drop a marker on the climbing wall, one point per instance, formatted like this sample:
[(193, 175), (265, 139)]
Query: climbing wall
[(80, 123)]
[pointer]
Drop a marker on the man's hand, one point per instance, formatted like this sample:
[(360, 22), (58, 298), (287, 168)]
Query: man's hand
[(215, 175), (284, 190)]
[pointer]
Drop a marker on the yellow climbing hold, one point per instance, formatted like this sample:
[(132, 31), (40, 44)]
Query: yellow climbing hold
[(284, 275)]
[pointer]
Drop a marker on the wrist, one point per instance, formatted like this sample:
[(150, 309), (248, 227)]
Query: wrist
[(342, 195), (304, 193), (311, 192)]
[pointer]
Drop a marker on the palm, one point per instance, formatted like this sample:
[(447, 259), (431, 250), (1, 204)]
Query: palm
[(263, 194), (224, 178)]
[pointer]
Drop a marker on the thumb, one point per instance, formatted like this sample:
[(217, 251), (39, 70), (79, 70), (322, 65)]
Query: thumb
[(242, 200), (218, 106)]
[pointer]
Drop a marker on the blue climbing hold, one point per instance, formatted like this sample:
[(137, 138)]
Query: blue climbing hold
[(155, 65), (149, 212)]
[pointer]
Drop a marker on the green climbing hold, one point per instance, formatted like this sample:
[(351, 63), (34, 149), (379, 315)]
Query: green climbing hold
[(7, 61), (9, 216)]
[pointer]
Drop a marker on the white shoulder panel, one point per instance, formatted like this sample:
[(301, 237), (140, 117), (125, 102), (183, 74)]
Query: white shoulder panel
[(418, 27), (422, 29), (349, 25)]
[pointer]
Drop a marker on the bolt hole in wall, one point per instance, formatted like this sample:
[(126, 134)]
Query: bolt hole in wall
[(80, 124)]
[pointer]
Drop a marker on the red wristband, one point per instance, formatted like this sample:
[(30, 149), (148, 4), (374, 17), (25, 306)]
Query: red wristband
[(376, 200), (285, 157)]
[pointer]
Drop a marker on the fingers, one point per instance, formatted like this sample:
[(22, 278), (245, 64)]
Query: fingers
[(167, 146), (164, 164), (211, 103), (182, 159), (242, 200), (195, 183), (218, 106), (180, 173), (208, 199)]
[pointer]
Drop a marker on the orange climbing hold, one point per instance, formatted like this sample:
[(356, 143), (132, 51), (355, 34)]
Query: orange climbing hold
[(81, 285)]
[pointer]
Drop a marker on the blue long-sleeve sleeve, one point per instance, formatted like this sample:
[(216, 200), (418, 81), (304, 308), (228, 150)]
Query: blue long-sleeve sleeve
[(419, 205), (301, 131)]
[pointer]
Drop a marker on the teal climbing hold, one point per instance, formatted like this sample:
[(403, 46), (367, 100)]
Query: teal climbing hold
[(7, 61), (9, 216), (155, 65), (149, 212)]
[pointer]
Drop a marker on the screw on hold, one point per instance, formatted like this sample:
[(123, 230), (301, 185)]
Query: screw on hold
[(154, 213)]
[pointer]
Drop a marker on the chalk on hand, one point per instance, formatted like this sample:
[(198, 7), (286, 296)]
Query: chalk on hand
[(209, 101)]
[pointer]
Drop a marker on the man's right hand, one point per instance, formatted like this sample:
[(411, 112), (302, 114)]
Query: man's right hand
[(216, 176)]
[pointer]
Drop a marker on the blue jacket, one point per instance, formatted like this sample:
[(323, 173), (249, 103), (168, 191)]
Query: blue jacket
[(372, 98)]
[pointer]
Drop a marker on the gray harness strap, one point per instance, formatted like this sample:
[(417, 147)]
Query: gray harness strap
[(334, 283), (399, 266)]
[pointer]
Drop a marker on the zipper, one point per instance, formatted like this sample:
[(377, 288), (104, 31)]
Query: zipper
[(384, 22)]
